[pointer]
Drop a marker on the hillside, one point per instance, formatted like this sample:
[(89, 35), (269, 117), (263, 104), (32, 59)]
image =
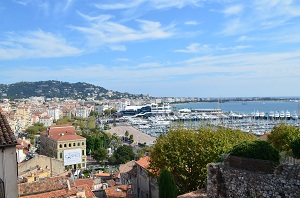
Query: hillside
[(59, 89)]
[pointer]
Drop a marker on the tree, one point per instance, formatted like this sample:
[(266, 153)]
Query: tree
[(100, 154), (167, 186), (282, 136), (126, 133), (124, 154), (131, 140), (186, 152)]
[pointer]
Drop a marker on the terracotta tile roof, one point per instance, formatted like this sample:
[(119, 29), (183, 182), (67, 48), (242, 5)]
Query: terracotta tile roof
[(88, 181), (67, 137), (144, 162), (63, 128), (116, 191), (62, 133), (74, 191), (44, 185), (126, 167), (102, 174), (7, 137)]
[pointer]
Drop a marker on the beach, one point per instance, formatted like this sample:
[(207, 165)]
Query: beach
[(138, 136)]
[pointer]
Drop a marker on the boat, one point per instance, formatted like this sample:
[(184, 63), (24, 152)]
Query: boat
[(287, 115), (281, 114), (276, 115), (294, 116), (261, 114), (272, 114)]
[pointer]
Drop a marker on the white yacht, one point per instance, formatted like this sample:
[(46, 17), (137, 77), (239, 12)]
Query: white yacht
[(282, 114), (272, 114), (261, 114), (276, 115), (287, 114), (294, 116)]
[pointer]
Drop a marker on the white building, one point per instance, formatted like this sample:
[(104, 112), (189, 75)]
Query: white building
[(55, 113)]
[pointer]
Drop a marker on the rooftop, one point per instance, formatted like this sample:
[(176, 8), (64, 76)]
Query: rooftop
[(144, 162), (7, 137)]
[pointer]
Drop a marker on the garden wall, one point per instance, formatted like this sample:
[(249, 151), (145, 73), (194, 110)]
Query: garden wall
[(224, 180)]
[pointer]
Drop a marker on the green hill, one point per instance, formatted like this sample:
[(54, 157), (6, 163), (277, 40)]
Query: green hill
[(59, 89)]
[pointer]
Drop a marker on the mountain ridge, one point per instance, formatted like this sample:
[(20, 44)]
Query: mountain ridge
[(59, 89)]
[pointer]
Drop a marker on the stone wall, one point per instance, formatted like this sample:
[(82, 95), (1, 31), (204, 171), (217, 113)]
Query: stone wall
[(226, 181), (44, 162)]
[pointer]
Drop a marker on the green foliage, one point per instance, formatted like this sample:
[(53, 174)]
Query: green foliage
[(37, 127), (186, 152), (100, 154), (281, 136), (112, 160), (97, 140), (131, 140), (124, 154), (295, 146), (257, 150), (167, 186), (126, 133)]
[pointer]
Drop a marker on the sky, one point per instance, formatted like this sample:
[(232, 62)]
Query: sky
[(164, 48)]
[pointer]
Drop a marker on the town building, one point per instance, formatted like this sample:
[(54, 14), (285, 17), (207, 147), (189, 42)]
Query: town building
[(8, 160), (146, 186), (62, 143)]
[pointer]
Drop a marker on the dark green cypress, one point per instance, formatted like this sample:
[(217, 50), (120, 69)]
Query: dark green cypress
[(167, 186)]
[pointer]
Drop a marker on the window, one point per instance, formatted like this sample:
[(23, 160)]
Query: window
[(70, 144), (82, 143), (60, 146), (74, 144), (65, 145), (83, 152), (78, 144), (60, 155)]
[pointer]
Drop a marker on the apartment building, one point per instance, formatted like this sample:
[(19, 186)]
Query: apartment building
[(62, 143)]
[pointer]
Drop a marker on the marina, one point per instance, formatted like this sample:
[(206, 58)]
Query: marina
[(257, 122)]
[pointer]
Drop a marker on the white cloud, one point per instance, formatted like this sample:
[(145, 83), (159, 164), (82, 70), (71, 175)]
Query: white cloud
[(119, 6), (101, 30), (233, 10), (154, 4), (38, 44), (203, 48), (118, 47), (191, 23), (195, 48)]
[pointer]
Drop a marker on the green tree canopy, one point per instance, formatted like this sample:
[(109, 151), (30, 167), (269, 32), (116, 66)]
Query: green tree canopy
[(167, 186), (124, 154), (100, 154), (186, 152), (282, 136)]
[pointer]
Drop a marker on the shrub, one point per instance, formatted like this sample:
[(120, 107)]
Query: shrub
[(257, 150), (295, 146)]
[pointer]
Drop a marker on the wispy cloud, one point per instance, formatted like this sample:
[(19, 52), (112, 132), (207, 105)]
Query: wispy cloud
[(204, 48), (191, 23), (118, 47), (150, 4), (37, 44), (102, 30), (233, 10)]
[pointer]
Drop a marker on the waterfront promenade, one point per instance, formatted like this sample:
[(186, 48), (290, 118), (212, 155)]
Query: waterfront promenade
[(138, 136)]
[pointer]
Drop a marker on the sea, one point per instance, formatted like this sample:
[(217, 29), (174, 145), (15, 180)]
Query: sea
[(244, 107)]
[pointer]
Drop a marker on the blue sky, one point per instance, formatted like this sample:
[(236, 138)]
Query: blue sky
[(183, 48)]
